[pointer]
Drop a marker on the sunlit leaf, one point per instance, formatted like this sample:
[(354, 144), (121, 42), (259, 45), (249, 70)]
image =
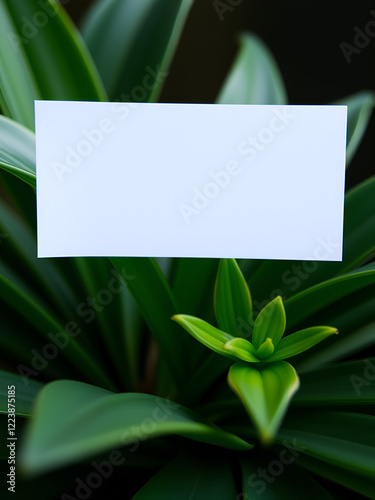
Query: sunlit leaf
[(270, 323), (297, 342), (232, 300), (265, 393)]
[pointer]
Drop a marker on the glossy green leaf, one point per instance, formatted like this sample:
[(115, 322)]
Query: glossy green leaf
[(17, 150), (24, 394), (300, 341), (189, 477), (343, 439), (242, 349), (96, 420), (360, 108), (141, 38), (208, 335), (308, 302), (232, 300), (254, 77), (265, 393), (270, 323), (343, 383)]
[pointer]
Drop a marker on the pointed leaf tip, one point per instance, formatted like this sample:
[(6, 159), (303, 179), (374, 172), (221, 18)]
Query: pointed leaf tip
[(232, 299), (242, 349), (265, 393), (266, 349), (301, 341), (270, 323), (208, 335)]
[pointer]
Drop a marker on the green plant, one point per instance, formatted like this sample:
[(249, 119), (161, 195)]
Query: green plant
[(263, 382), (133, 373)]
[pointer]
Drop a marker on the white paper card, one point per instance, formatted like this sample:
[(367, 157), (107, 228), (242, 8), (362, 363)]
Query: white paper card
[(183, 180)]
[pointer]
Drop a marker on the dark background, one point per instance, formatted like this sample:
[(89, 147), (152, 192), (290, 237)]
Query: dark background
[(305, 39)]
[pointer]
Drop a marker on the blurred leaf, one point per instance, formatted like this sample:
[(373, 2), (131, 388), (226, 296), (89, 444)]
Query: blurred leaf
[(298, 342), (304, 304), (344, 346), (265, 393), (189, 477), (292, 482), (353, 480), (232, 298), (44, 321), (266, 349), (360, 108), (343, 439), (270, 323), (141, 38), (96, 420), (24, 394), (156, 302), (350, 383), (254, 77)]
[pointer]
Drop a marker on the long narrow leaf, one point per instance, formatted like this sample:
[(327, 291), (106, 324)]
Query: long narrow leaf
[(97, 420)]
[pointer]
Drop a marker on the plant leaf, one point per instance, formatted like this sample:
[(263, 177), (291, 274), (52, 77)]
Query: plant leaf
[(363, 484), (360, 108), (266, 349), (308, 302), (96, 420), (232, 300), (270, 323), (208, 335), (265, 393), (242, 349), (293, 482), (254, 77), (342, 383), (24, 394), (18, 87), (339, 438), (141, 38), (189, 477), (56, 55), (300, 341)]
